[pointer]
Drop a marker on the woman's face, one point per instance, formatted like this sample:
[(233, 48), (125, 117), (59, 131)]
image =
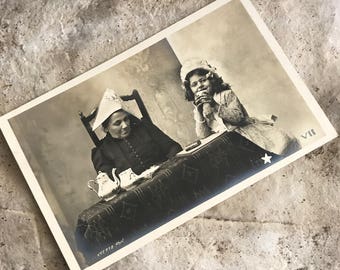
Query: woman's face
[(200, 83), (119, 125)]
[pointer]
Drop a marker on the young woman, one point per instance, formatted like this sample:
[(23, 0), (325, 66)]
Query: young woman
[(218, 108)]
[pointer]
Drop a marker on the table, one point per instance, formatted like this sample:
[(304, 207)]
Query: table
[(180, 184)]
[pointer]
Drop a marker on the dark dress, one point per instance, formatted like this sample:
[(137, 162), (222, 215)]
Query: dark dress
[(145, 146)]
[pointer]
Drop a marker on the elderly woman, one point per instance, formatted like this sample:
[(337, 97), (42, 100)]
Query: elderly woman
[(218, 108), (129, 141)]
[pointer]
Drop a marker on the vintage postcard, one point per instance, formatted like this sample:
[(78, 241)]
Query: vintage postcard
[(155, 136)]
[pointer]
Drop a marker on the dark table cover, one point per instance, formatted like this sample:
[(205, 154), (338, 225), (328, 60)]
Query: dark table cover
[(180, 184)]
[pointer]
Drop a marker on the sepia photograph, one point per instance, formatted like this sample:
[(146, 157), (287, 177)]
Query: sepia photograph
[(136, 146)]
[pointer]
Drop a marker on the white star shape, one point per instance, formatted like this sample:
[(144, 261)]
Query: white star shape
[(266, 158)]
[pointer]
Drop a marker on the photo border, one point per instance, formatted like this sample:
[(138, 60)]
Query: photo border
[(39, 196)]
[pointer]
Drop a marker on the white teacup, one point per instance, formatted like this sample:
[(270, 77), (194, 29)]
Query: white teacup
[(127, 178)]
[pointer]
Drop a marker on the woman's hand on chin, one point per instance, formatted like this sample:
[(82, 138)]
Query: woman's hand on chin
[(208, 111)]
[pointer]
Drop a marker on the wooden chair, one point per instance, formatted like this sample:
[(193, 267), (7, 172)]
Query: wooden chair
[(87, 119)]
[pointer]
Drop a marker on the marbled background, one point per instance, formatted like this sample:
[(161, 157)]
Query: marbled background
[(289, 220)]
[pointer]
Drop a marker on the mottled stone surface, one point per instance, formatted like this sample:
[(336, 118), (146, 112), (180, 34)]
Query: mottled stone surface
[(19, 240), (239, 245), (289, 220)]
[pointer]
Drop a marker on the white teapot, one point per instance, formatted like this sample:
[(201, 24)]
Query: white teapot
[(105, 185)]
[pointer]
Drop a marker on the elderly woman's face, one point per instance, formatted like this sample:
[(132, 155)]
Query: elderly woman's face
[(200, 83), (119, 125)]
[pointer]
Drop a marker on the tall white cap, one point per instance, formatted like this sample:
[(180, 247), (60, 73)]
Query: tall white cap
[(110, 103)]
